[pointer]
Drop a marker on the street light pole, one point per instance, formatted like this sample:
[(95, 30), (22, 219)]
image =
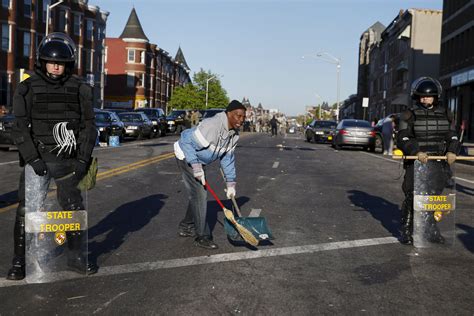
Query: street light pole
[(48, 9), (336, 61), (320, 99), (207, 88)]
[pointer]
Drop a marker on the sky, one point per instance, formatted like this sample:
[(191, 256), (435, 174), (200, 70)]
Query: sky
[(257, 45)]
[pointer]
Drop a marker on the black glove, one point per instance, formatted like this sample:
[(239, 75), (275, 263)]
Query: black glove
[(80, 169), (39, 167)]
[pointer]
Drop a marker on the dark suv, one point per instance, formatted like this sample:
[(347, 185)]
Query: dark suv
[(177, 121), (320, 131), (108, 125), (158, 117), (6, 139)]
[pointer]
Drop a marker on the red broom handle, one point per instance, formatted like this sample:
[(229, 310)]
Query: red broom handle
[(214, 194)]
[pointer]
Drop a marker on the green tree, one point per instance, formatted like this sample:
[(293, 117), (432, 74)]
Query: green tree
[(193, 95), (185, 97)]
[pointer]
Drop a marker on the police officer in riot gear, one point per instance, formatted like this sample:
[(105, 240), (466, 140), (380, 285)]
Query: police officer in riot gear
[(55, 134), (424, 130)]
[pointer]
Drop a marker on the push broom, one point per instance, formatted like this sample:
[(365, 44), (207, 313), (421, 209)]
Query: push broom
[(247, 236)]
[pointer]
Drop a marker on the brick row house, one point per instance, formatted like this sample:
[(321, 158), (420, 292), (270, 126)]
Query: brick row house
[(139, 73), (23, 26)]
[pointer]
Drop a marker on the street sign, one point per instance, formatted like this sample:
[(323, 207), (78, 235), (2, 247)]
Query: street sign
[(365, 102)]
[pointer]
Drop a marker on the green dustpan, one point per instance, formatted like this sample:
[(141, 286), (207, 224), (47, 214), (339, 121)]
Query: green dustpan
[(256, 225)]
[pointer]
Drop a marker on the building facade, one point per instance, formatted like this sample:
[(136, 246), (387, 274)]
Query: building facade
[(409, 48), (368, 40), (23, 26), (139, 73), (457, 62)]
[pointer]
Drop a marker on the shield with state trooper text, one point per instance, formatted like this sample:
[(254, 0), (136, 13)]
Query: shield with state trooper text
[(56, 236), (434, 204)]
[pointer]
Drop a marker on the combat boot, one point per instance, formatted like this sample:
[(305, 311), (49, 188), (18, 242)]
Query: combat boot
[(76, 258), (432, 233), (17, 271)]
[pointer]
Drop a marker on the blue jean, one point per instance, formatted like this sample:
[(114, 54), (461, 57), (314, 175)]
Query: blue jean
[(197, 202)]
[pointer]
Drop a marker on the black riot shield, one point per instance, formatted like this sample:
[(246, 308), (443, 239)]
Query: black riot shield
[(56, 238), (434, 204)]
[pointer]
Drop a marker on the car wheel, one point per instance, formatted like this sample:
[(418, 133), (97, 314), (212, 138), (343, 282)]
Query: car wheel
[(372, 149), (378, 143), (308, 138), (179, 129)]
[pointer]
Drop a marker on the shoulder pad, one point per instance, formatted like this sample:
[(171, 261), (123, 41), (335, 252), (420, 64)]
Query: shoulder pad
[(406, 115), (23, 87)]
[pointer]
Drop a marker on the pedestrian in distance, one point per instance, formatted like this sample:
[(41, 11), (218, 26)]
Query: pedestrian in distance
[(53, 100), (425, 130), (213, 139), (194, 118), (274, 125), (387, 134)]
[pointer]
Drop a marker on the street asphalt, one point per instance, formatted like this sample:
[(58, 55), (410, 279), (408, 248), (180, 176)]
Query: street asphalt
[(334, 215)]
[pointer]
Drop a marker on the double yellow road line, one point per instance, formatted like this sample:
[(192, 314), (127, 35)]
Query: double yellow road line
[(115, 172)]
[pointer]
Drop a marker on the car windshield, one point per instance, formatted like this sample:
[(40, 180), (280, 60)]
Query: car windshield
[(175, 114), (325, 124), (211, 113), (131, 117), (101, 117), (356, 123)]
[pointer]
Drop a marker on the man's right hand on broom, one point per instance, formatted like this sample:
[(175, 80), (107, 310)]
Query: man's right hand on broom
[(230, 191), (198, 173)]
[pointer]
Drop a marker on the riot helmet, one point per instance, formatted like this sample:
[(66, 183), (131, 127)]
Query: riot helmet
[(426, 87), (56, 47)]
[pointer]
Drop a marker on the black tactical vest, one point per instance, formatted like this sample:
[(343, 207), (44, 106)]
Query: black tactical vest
[(52, 104), (430, 128)]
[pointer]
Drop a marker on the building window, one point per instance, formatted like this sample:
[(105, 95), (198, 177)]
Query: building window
[(105, 53), (26, 44), (6, 4), (5, 37), (62, 20), (131, 55), (45, 9), (142, 84), (142, 57), (27, 8), (87, 60), (77, 24), (130, 79), (39, 38), (89, 30)]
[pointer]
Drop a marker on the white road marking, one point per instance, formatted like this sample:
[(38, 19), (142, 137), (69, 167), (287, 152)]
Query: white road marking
[(255, 212), (396, 161), (223, 257), (8, 162), (275, 164)]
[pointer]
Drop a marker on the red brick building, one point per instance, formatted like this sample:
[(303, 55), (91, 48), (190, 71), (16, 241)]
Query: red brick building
[(23, 26), (140, 74)]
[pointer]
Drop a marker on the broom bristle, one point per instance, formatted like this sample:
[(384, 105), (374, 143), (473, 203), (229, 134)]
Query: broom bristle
[(244, 232)]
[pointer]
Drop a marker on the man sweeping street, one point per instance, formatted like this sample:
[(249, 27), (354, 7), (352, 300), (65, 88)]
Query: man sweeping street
[(213, 139)]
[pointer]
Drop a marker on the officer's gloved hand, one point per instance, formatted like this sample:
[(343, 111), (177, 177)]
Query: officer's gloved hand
[(423, 157), (39, 166), (230, 191), (450, 158), (198, 173), (80, 169)]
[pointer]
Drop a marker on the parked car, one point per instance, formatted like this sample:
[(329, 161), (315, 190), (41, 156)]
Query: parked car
[(350, 132), (378, 131), (320, 131), (158, 118), (210, 113), (176, 121), (108, 124), (6, 139), (137, 124)]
